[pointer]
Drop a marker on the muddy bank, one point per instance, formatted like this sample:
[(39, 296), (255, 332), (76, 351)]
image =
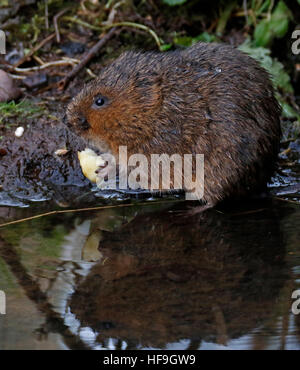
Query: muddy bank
[(30, 169)]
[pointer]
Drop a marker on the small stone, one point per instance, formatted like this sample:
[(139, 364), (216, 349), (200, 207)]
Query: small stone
[(19, 131), (8, 90), (61, 151)]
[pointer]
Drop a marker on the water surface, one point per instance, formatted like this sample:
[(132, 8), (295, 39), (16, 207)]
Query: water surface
[(149, 276)]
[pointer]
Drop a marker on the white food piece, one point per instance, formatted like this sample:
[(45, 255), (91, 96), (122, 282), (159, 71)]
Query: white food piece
[(19, 131), (90, 162), (61, 152)]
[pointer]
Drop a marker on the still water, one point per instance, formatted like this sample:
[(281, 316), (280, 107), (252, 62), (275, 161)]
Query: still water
[(151, 276)]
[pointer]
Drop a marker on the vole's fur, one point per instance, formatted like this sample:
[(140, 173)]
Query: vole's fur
[(209, 99)]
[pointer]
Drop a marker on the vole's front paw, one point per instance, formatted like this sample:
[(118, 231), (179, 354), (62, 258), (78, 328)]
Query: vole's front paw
[(106, 175), (102, 170)]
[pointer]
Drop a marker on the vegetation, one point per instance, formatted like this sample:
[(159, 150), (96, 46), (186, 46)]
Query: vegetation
[(23, 109)]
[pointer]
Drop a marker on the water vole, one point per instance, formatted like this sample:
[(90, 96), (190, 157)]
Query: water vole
[(210, 99)]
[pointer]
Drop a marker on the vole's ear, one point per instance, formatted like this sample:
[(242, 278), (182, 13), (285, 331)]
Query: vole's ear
[(144, 80), (149, 88)]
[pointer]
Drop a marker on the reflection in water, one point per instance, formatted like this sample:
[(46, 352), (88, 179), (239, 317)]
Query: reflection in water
[(163, 278), (143, 277)]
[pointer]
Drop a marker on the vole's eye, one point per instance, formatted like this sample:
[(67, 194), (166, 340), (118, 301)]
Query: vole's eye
[(99, 101)]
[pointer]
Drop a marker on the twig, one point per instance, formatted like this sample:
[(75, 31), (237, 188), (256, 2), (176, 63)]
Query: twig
[(119, 24), (45, 65), (113, 11), (286, 151), (35, 49), (92, 52), (139, 26), (55, 19), (38, 59), (82, 23), (245, 10), (108, 4), (46, 15), (17, 77), (88, 209), (287, 200)]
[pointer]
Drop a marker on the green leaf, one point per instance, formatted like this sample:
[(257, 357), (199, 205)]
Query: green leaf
[(288, 111), (165, 47), (183, 41), (186, 41), (205, 37), (275, 26), (174, 2), (280, 19), (263, 7), (262, 33), (224, 17)]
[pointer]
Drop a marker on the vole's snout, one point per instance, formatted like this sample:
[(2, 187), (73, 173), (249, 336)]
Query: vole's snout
[(77, 122), (83, 123)]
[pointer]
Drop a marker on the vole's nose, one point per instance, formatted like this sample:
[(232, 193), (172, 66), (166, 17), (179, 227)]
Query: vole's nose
[(83, 123)]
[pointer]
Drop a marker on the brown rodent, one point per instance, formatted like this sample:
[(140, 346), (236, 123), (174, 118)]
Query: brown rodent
[(209, 99)]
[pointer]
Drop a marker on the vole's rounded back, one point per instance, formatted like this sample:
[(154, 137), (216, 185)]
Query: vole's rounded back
[(209, 99)]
